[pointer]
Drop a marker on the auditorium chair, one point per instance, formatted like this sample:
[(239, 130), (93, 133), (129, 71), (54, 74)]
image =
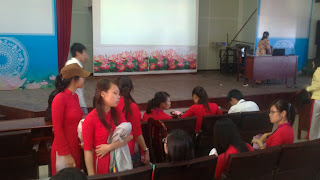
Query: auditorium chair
[(140, 173), (161, 129), (253, 123), (255, 165), (200, 168), (156, 131), (300, 161), (17, 157), (205, 136)]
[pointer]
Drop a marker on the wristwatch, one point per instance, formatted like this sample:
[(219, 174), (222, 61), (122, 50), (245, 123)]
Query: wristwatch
[(147, 149)]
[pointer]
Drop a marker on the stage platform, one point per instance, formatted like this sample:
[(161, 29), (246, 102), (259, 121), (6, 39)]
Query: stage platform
[(32, 103)]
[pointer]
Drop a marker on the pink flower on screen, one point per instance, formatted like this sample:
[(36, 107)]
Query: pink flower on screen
[(135, 54), (130, 64), (143, 65), (185, 57), (140, 59), (180, 64), (43, 83), (143, 54), (160, 63), (193, 65), (121, 67), (118, 61), (96, 68), (165, 54), (160, 58), (172, 67), (155, 54), (125, 55), (152, 66), (130, 58), (105, 66), (99, 58), (112, 57), (170, 57)]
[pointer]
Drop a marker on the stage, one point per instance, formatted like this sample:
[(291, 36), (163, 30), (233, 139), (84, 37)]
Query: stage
[(32, 103)]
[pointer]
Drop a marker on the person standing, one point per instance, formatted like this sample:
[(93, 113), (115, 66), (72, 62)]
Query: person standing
[(263, 47), (79, 56), (66, 114), (314, 131)]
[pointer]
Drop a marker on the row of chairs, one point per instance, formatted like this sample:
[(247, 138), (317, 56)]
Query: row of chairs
[(248, 123), (292, 161), (18, 159)]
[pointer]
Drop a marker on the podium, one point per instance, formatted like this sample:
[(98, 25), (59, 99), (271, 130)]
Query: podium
[(271, 67)]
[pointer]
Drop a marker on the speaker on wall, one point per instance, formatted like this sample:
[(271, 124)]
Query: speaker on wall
[(317, 1)]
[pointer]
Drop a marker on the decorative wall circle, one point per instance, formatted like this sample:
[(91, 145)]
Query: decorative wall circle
[(14, 58)]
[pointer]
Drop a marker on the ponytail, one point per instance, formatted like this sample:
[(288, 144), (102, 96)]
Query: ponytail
[(125, 86), (150, 106), (61, 85), (288, 107), (159, 98)]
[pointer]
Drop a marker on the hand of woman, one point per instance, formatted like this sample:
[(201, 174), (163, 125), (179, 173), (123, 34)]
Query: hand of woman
[(102, 150), (265, 136), (147, 158), (255, 140), (69, 161)]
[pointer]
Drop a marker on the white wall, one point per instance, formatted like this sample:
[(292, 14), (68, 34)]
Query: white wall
[(216, 19)]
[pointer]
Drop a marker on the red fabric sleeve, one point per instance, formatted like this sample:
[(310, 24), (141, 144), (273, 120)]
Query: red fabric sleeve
[(58, 114), (221, 164), (135, 119), (218, 112), (88, 133), (190, 112), (145, 117)]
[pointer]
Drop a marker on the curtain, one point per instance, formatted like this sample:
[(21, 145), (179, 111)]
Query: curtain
[(64, 14)]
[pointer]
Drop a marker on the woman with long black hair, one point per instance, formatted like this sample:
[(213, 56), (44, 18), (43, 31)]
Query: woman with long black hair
[(133, 115), (201, 106), (99, 124), (227, 140), (66, 114), (156, 105)]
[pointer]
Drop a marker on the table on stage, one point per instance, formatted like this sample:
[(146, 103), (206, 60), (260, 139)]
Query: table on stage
[(270, 67)]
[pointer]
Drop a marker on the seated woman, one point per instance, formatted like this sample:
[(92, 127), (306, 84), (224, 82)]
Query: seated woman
[(160, 102), (227, 140), (283, 114), (201, 106), (99, 124), (178, 146)]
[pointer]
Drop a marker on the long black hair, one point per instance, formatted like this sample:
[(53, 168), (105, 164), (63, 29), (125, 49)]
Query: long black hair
[(61, 85), (282, 105), (159, 98), (125, 86), (104, 85), (225, 134), (203, 97), (180, 146), (265, 35)]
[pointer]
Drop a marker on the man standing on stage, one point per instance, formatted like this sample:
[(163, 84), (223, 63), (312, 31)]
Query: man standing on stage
[(79, 56)]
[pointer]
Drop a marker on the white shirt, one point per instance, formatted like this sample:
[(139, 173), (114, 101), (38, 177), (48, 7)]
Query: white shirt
[(79, 91), (244, 106)]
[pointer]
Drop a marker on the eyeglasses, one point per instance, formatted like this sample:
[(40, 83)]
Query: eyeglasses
[(164, 141), (273, 112)]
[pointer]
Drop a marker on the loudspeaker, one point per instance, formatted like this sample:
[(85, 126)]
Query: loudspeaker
[(317, 1), (318, 33)]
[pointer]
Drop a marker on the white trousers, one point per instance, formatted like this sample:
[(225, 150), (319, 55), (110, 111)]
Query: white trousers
[(315, 121)]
